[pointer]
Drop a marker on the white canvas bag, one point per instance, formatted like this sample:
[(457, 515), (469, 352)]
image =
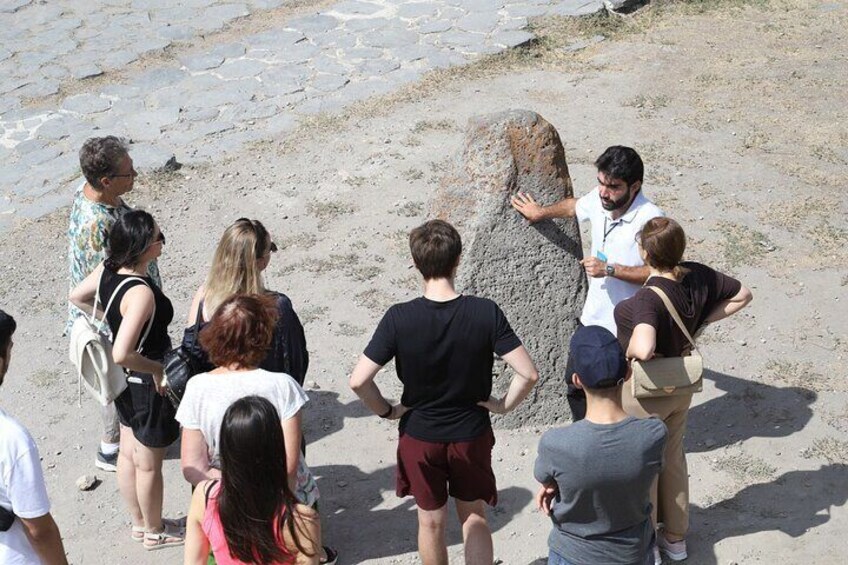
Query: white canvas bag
[(91, 352)]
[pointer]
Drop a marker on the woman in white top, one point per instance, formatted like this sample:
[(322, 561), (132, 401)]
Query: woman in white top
[(236, 339)]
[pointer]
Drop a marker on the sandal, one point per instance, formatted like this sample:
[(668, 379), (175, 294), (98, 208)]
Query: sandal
[(137, 534), (166, 538), (331, 558)]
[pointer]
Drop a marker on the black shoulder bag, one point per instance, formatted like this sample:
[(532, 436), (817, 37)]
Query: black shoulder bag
[(180, 363)]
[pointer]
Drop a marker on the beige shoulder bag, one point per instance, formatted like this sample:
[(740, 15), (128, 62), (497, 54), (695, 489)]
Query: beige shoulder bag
[(669, 376)]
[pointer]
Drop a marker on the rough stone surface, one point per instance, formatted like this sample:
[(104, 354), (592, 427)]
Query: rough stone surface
[(508, 261), (623, 6)]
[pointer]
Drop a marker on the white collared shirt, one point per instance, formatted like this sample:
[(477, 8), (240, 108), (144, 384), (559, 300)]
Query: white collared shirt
[(617, 240)]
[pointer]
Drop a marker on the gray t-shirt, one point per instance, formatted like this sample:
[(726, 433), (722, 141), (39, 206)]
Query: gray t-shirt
[(604, 474)]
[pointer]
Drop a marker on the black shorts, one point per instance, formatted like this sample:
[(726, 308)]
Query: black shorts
[(149, 415)]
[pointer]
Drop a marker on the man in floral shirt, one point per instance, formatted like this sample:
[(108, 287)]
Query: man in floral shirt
[(109, 174)]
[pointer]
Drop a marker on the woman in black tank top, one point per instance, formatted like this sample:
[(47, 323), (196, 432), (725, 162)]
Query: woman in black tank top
[(139, 318)]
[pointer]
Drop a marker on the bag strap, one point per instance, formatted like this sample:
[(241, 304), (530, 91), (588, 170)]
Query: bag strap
[(112, 299), (673, 311)]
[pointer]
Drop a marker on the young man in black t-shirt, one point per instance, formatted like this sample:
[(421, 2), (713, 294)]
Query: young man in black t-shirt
[(444, 345)]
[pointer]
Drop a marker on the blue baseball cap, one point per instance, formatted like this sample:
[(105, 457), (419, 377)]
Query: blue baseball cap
[(597, 357)]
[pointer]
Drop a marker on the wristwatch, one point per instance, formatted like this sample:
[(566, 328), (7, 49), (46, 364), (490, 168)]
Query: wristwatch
[(610, 270)]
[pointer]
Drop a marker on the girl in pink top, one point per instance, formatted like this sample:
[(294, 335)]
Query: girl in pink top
[(251, 515)]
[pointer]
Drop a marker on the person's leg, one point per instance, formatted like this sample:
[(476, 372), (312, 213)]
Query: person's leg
[(555, 558), (431, 536), (475, 532), (673, 487), (111, 425), (149, 484), (126, 476)]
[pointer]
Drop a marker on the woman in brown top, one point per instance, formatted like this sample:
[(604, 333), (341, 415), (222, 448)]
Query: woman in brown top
[(646, 329)]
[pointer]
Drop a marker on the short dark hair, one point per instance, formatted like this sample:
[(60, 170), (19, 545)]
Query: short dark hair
[(7, 328), (664, 243), (128, 239), (620, 162), (240, 331), (100, 157), (436, 247)]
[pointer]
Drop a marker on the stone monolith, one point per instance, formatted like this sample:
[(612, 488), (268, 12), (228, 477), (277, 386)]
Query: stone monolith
[(531, 271)]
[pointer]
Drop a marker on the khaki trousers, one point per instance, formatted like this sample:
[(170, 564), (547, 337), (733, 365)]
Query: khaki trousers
[(670, 493)]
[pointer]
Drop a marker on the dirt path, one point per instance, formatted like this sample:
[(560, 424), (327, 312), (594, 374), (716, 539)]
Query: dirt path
[(737, 109)]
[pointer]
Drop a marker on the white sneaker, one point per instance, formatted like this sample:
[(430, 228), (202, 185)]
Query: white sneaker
[(657, 556), (676, 551)]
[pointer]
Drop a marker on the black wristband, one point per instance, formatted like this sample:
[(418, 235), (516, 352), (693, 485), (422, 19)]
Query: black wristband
[(387, 413)]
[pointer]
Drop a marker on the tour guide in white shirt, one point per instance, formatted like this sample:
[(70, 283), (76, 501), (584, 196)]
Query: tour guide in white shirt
[(617, 210)]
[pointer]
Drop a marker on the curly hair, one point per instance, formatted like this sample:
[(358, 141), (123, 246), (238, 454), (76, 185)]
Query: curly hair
[(100, 157)]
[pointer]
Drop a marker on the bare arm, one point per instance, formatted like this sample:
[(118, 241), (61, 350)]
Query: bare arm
[(43, 534), (307, 524), (643, 342), (136, 308), (534, 212), (292, 435), (82, 296), (195, 304), (194, 458), (597, 268), (362, 383), (731, 305), (522, 383), (196, 542)]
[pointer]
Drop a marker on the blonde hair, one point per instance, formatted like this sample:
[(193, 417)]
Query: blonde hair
[(235, 268)]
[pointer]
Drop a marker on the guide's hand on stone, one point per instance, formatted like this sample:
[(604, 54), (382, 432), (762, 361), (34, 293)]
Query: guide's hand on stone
[(494, 405), (545, 496), (594, 267), (527, 207)]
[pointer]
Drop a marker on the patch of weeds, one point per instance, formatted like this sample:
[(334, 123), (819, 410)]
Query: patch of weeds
[(829, 239), (755, 139), (413, 174), (744, 467), (429, 125), (831, 449), (359, 245), (411, 141), (374, 299), (300, 240), (743, 246), (349, 330), (312, 314), (412, 281), (363, 273), (355, 181), (649, 103), (796, 374), (826, 153), (329, 210), (408, 209), (350, 264), (43, 378)]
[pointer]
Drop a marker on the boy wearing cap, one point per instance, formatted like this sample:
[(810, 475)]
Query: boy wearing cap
[(597, 473)]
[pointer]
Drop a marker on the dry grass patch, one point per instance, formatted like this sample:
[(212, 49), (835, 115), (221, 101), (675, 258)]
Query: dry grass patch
[(745, 468), (830, 449)]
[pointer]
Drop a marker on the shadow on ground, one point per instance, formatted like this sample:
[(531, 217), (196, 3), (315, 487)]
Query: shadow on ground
[(794, 503), (748, 409), (361, 531), (324, 415)]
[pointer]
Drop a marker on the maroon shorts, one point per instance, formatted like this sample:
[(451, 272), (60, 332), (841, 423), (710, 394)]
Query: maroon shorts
[(430, 471)]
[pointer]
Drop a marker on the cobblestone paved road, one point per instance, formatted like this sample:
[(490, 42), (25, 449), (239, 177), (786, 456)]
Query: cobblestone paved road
[(198, 104)]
